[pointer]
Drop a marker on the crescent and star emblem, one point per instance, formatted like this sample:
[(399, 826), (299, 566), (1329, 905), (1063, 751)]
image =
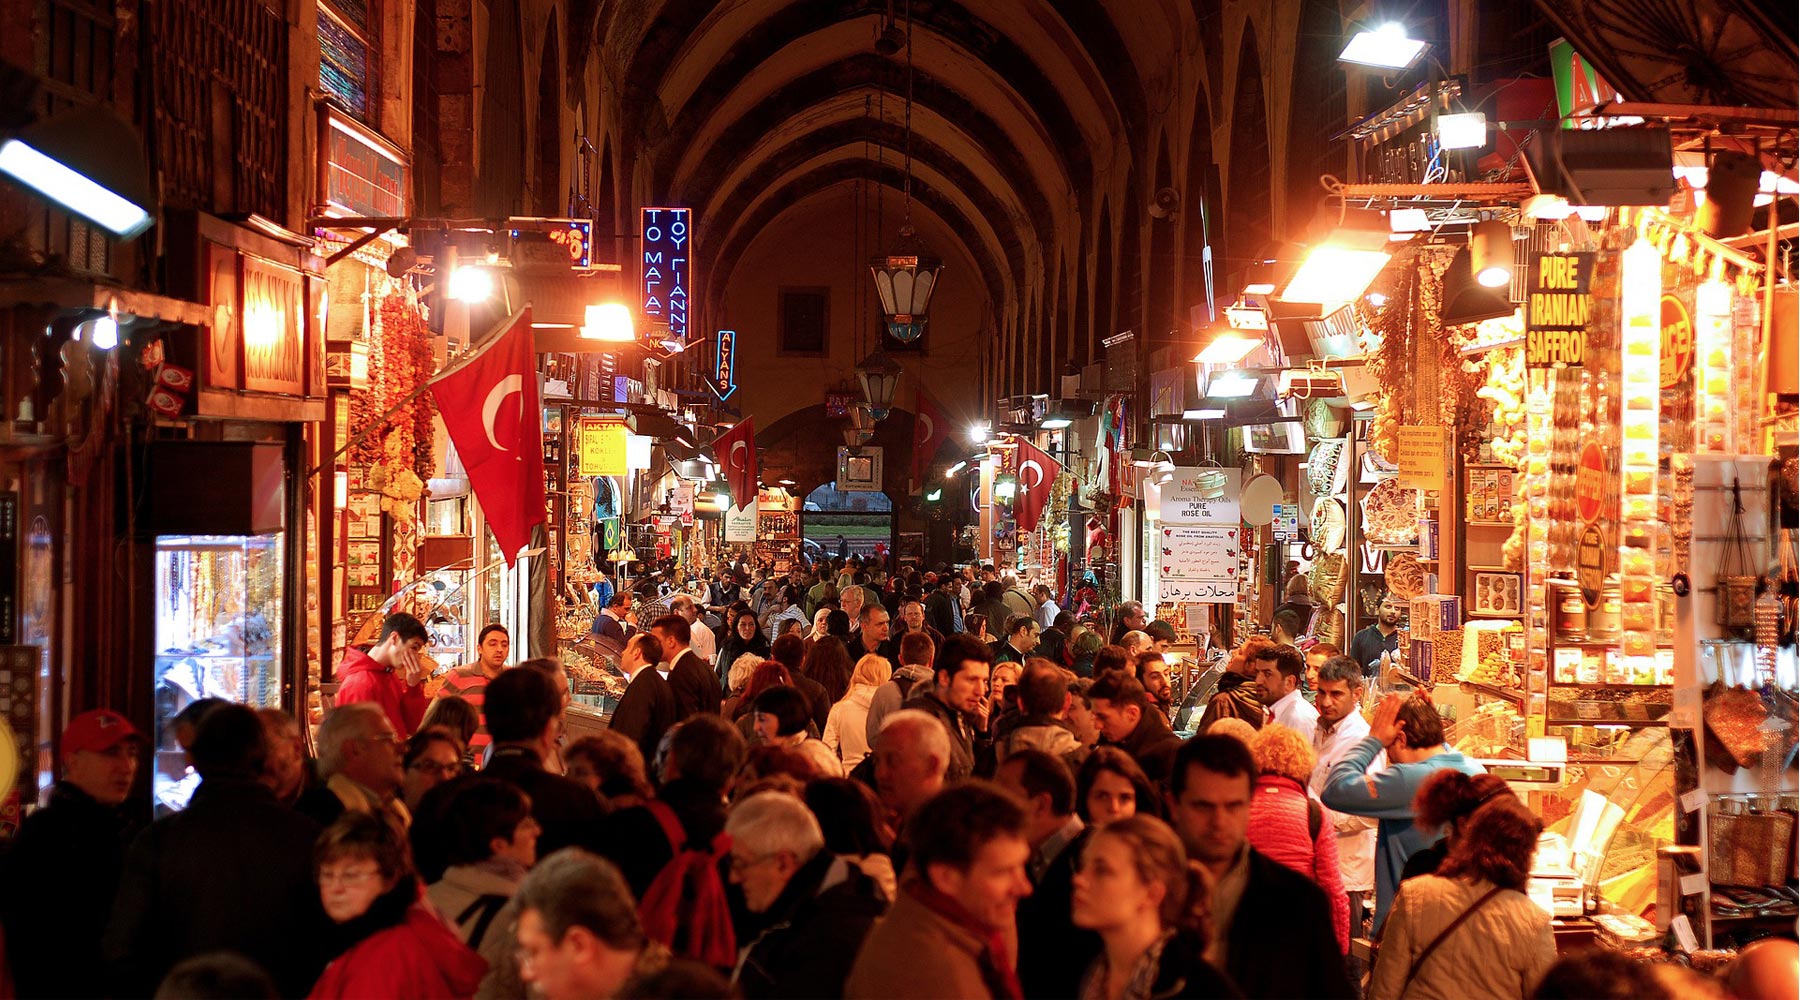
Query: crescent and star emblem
[(732, 459), (928, 425), (502, 389), (1031, 463)]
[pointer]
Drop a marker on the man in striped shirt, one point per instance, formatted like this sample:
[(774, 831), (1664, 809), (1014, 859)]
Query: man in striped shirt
[(470, 682)]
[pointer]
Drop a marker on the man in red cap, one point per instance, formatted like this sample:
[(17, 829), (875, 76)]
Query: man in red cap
[(63, 869)]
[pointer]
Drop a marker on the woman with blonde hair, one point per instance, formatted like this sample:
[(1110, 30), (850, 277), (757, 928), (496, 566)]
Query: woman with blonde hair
[(1289, 826), (1152, 908), (846, 728)]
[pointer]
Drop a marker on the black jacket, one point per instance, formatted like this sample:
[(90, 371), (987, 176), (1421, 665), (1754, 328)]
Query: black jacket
[(695, 687), (1236, 699), (60, 878), (567, 810), (1303, 959), (810, 936), (232, 872), (1153, 744), (1054, 953), (634, 840), (889, 650), (1182, 973), (646, 711), (940, 613), (965, 745)]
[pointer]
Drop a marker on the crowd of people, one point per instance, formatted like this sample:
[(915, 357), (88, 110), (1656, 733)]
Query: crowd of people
[(847, 784)]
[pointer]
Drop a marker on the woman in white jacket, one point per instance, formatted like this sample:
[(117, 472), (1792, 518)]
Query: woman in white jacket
[(1470, 931), (846, 728)]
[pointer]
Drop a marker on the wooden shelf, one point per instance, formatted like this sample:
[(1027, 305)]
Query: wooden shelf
[(1611, 687), (1488, 524), (1611, 723), (1489, 569), (1516, 697)]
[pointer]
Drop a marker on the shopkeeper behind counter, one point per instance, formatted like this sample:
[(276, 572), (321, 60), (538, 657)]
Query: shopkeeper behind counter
[(1367, 645)]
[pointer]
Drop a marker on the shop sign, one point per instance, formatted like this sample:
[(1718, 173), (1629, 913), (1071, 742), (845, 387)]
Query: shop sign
[(1286, 523), (1202, 496), (627, 389), (1590, 483), (9, 567), (724, 367), (667, 276), (602, 447), (1677, 341), (575, 236), (1556, 310), (1198, 563), (365, 175), (740, 523), (1590, 564), (1579, 87), (274, 327), (681, 501), (1422, 457)]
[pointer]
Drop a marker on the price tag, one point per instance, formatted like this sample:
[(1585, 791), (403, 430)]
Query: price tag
[(1691, 801), (1684, 933), (1693, 884)]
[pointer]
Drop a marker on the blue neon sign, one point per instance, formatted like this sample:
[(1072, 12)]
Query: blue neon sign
[(667, 276)]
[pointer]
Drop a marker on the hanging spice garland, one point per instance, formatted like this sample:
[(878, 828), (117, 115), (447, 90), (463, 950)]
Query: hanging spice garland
[(398, 452)]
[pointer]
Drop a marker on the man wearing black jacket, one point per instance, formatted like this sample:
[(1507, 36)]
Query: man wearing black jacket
[(523, 708), (695, 686), (231, 872), (809, 910), (63, 869), (647, 709), (1209, 806), (1127, 720)]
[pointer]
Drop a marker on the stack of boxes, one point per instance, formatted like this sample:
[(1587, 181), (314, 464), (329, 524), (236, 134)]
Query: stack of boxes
[(1436, 625)]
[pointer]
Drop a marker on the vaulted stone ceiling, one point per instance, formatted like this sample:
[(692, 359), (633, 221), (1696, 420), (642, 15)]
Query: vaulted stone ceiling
[(1024, 114)]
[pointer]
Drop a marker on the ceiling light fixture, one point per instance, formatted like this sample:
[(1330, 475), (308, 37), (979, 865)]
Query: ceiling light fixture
[(1383, 47), (1491, 253), (907, 275)]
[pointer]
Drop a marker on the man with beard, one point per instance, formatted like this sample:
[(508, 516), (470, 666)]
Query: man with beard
[(1367, 646), (1238, 696)]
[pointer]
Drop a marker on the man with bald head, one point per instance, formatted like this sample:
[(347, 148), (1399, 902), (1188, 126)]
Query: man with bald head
[(911, 755)]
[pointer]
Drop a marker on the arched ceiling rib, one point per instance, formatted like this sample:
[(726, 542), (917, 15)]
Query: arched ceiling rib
[(719, 254), (891, 177)]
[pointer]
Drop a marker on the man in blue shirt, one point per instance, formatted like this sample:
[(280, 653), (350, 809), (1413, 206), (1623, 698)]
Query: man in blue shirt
[(1412, 733)]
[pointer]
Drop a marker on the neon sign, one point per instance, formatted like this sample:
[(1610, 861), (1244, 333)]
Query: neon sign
[(667, 277)]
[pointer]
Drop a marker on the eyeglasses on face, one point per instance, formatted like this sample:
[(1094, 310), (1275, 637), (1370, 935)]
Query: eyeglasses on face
[(348, 876), (449, 770)]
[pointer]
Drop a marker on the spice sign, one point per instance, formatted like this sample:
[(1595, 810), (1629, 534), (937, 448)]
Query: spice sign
[(1677, 342), (667, 277), (1198, 563), (603, 447), (1556, 310)]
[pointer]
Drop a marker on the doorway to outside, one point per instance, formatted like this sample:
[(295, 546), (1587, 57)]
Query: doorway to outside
[(834, 523)]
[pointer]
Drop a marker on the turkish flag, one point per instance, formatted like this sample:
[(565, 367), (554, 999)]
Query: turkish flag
[(735, 451), (1037, 474), (930, 429), (490, 406)]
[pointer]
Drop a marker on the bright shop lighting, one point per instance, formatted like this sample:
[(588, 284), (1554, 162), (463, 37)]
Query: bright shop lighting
[(610, 322), (471, 284), (103, 333), (1227, 349), (1462, 131), (1408, 220), (1203, 414), (1491, 253), (74, 190), (1231, 387), (951, 472), (1333, 274), (1385, 47), (978, 433)]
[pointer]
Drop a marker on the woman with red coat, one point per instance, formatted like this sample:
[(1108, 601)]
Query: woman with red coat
[(1289, 827), (393, 944)]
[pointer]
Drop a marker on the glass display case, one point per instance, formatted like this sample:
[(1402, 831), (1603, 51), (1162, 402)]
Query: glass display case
[(219, 620)]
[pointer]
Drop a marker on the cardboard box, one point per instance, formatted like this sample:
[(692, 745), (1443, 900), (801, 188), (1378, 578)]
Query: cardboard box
[(1421, 659), (1434, 613)]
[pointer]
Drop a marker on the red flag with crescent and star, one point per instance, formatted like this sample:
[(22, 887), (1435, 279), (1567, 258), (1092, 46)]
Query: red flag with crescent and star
[(490, 407), (1037, 474), (735, 451), (930, 428)]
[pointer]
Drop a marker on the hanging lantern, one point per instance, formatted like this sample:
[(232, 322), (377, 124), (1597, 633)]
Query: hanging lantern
[(862, 425), (879, 376), (905, 278)]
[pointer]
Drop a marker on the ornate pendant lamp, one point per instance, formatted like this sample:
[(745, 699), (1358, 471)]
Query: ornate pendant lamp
[(879, 376), (907, 274)]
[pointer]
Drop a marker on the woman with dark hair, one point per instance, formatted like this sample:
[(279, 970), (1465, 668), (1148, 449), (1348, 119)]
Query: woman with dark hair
[(1150, 905), (850, 816), (458, 716), (1443, 804), (783, 719), (490, 841), (612, 764), (768, 674), (828, 664), (837, 624), (1470, 931), (744, 637), (1111, 787), (432, 756), (391, 943), (975, 624)]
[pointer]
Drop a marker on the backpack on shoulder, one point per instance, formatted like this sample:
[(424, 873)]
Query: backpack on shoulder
[(685, 907)]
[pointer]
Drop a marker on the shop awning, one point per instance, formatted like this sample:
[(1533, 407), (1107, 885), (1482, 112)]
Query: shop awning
[(73, 293)]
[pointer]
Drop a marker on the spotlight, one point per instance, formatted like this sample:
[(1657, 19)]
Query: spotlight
[(103, 333), (1464, 131), (91, 163), (1385, 47), (978, 433), (1731, 185), (1227, 349), (1465, 300), (1491, 253), (471, 284)]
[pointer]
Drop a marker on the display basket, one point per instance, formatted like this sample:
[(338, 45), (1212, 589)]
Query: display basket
[(1750, 849)]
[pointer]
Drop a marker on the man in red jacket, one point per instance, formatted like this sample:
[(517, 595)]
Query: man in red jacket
[(390, 674)]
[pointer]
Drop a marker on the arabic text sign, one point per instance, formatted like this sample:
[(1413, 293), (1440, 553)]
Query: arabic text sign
[(1198, 558), (667, 277)]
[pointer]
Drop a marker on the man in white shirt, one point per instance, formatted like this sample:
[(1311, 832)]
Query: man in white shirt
[(1279, 670), (1341, 726), (701, 639), (1046, 609)]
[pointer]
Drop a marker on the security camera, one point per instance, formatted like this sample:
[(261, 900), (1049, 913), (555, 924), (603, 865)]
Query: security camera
[(1166, 203)]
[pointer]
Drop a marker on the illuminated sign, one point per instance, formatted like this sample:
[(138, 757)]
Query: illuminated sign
[(724, 372), (365, 175), (271, 320), (574, 235), (1556, 310), (602, 447), (667, 278)]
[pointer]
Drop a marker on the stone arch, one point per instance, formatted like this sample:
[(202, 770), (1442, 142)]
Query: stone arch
[(1199, 210), (1163, 316), (1102, 325), (549, 199), (1249, 209), (501, 178), (1317, 109)]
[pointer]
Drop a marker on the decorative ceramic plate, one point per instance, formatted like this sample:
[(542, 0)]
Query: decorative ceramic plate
[(1405, 576), (1329, 524), (1390, 513), (1322, 467)]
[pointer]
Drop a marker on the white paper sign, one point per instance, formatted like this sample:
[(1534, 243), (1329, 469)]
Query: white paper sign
[(1198, 562), (1202, 496), (740, 524)]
